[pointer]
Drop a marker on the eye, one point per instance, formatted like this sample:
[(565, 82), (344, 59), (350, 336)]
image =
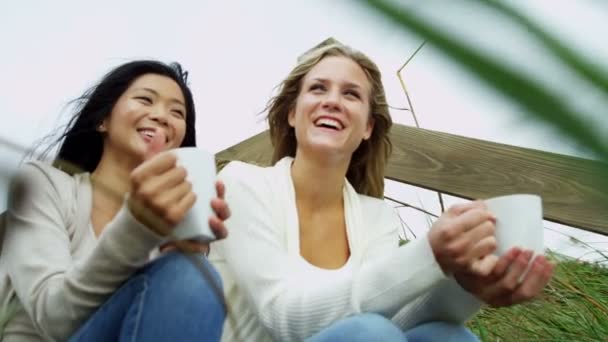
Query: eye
[(179, 113), (317, 87), (144, 99), (352, 93)]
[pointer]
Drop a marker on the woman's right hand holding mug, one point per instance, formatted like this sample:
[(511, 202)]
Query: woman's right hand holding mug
[(463, 239), (160, 195)]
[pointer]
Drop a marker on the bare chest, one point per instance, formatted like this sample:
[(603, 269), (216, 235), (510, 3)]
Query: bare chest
[(323, 238)]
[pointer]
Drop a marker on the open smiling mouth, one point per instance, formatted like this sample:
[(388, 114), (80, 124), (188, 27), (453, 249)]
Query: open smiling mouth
[(329, 123), (149, 133)]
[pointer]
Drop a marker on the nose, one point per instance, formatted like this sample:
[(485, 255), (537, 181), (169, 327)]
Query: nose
[(160, 116), (331, 102)]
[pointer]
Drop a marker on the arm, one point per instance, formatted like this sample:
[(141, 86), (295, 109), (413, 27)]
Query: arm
[(447, 301), (58, 292), (291, 301)]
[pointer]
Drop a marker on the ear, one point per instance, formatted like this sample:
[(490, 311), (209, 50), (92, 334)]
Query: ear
[(369, 128), (291, 118), (101, 128)]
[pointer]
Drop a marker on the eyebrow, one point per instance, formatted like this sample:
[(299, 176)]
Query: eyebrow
[(157, 94), (348, 84)]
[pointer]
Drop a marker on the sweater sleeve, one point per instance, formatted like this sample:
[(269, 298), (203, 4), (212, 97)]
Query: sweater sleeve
[(57, 292), (293, 303), (446, 301)]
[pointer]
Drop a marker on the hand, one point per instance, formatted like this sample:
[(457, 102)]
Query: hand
[(463, 237), (160, 195), (222, 213), (502, 286)]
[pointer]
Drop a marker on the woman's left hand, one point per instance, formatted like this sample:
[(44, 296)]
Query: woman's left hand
[(216, 222), (502, 287)]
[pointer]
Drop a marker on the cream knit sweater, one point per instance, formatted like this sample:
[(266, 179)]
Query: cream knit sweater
[(273, 293), (53, 267)]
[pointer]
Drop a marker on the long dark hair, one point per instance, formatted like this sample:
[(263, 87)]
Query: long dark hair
[(81, 143)]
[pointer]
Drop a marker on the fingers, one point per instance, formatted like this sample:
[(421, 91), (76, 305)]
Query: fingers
[(175, 213), (501, 294), (502, 287), (221, 209), (153, 167), (475, 237), (483, 240), (473, 218), (169, 195), (460, 208), (220, 189), (485, 265), (505, 261), (218, 227), (222, 212), (512, 279), (537, 278), (166, 181)]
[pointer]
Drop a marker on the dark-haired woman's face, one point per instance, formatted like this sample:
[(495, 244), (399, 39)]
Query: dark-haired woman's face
[(152, 104)]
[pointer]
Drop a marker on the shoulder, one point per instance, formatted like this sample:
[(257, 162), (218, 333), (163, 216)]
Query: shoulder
[(38, 174), (40, 181), (253, 189), (375, 208), (238, 169), (379, 214), (243, 175)]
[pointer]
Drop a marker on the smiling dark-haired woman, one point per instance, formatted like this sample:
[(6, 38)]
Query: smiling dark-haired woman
[(75, 258)]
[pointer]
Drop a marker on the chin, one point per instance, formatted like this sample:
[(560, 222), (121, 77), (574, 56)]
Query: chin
[(326, 150)]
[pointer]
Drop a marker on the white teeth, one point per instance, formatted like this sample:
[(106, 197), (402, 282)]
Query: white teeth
[(148, 132), (329, 122)]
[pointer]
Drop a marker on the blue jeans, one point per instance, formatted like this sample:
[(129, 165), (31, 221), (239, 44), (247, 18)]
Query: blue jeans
[(372, 327), (168, 300)]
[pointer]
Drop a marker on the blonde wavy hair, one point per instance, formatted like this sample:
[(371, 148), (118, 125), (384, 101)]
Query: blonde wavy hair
[(366, 169)]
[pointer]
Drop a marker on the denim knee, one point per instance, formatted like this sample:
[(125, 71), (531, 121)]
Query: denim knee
[(440, 331), (181, 265), (187, 279), (373, 327)]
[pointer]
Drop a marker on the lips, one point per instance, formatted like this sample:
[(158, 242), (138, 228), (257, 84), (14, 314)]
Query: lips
[(329, 123), (148, 133)]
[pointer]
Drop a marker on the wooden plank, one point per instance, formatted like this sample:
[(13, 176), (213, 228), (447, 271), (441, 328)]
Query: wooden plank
[(256, 150), (473, 168)]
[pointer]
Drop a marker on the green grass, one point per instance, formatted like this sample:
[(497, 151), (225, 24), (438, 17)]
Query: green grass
[(573, 307)]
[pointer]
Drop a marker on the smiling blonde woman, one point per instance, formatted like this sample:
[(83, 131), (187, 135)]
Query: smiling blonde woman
[(313, 253)]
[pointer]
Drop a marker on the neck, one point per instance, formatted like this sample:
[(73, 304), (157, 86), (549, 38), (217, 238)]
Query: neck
[(112, 176), (318, 182)]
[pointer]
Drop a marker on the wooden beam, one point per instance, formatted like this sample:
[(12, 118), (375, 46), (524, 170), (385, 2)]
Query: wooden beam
[(473, 168)]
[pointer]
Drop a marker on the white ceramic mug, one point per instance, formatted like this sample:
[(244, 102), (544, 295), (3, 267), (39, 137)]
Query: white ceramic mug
[(519, 222), (200, 166)]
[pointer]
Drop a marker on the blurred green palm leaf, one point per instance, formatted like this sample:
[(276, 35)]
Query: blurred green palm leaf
[(531, 95)]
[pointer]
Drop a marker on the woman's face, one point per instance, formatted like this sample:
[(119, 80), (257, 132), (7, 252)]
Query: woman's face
[(331, 114), (153, 104)]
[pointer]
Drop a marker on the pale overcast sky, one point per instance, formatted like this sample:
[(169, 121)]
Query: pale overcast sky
[(237, 51)]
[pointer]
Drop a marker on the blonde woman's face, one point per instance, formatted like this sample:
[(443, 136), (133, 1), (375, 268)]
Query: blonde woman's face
[(331, 114)]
